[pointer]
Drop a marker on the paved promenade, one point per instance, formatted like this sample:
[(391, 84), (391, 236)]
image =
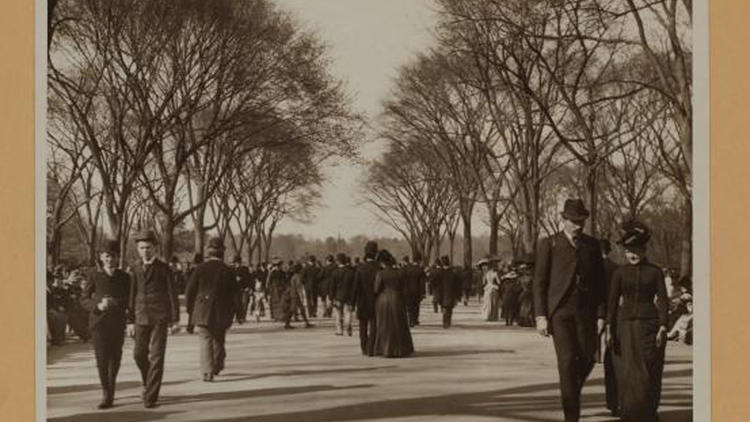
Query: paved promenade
[(475, 371)]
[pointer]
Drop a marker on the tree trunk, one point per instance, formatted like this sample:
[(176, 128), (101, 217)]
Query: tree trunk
[(591, 199), (494, 228), (167, 239), (466, 211)]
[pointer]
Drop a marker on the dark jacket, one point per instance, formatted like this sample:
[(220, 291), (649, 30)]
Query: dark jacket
[(449, 290), (310, 277), (555, 273), (153, 297), (117, 287), (415, 281), (638, 285), (609, 269), (242, 277), (211, 296), (364, 289), (342, 285)]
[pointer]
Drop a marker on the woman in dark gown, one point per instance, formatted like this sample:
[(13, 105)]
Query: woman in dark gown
[(106, 298), (637, 318), (392, 335)]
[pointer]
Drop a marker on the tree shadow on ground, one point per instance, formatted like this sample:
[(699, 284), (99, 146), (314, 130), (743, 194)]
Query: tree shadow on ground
[(250, 394), (521, 403), (78, 388), (457, 352), (295, 373), (124, 416)]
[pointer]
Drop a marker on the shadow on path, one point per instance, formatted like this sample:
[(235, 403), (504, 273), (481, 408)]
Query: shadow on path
[(249, 394), (96, 387), (294, 373), (522, 403), (113, 414)]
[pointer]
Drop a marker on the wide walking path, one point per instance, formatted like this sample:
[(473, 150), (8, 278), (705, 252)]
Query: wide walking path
[(475, 371)]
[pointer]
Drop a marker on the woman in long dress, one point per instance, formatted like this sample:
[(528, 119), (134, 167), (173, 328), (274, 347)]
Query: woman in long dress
[(637, 318), (491, 288), (392, 335)]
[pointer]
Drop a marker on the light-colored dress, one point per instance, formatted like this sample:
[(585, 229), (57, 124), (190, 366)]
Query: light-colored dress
[(491, 298)]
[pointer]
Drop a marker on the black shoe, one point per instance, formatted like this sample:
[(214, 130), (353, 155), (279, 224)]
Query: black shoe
[(208, 377), (150, 405), (308, 325), (105, 404)]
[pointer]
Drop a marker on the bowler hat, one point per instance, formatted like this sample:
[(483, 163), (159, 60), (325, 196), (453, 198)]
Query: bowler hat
[(215, 243), (574, 210), (371, 249), (145, 235), (341, 258), (237, 259), (445, 261), (111, 247), (386, 257)]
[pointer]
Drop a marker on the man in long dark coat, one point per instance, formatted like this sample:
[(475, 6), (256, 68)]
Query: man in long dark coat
[(212, 299), (154, 310), (569, 301), (364, 297), (415, 287), (449, 290), (244, 280), (324, 286), (310, 277)]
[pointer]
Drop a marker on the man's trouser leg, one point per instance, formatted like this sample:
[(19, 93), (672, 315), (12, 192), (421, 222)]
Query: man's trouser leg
[(338, 316), (447, 315), (348, 318), (575, 342), (150, 346)]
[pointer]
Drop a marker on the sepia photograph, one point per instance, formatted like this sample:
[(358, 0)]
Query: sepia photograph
[(359, 210)]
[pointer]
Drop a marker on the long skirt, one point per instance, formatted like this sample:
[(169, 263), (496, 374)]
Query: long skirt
[(392, 334), (490, 303), (639, 365)]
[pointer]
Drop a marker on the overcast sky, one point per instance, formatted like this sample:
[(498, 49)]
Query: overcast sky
[(369, 41)]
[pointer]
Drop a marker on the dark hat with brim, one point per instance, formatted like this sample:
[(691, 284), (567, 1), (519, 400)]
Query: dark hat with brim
[(371, 249), (386, 257), (237, 259), (574, 210), (145, 236), (111, 247), (341, 258), (445, 261), (215, 243), (635, 235)]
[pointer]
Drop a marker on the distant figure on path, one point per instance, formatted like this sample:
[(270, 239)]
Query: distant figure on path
[(491, 288), (364, 298)]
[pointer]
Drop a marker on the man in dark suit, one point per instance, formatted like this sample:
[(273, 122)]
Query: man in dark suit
[(244, 281), (449, 290), (569, 301), (212, 299), (310, 276), (435, 277), (154, 310), (324, 286), (414, 291), (364, 298), (610, 382), (342, 294)]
